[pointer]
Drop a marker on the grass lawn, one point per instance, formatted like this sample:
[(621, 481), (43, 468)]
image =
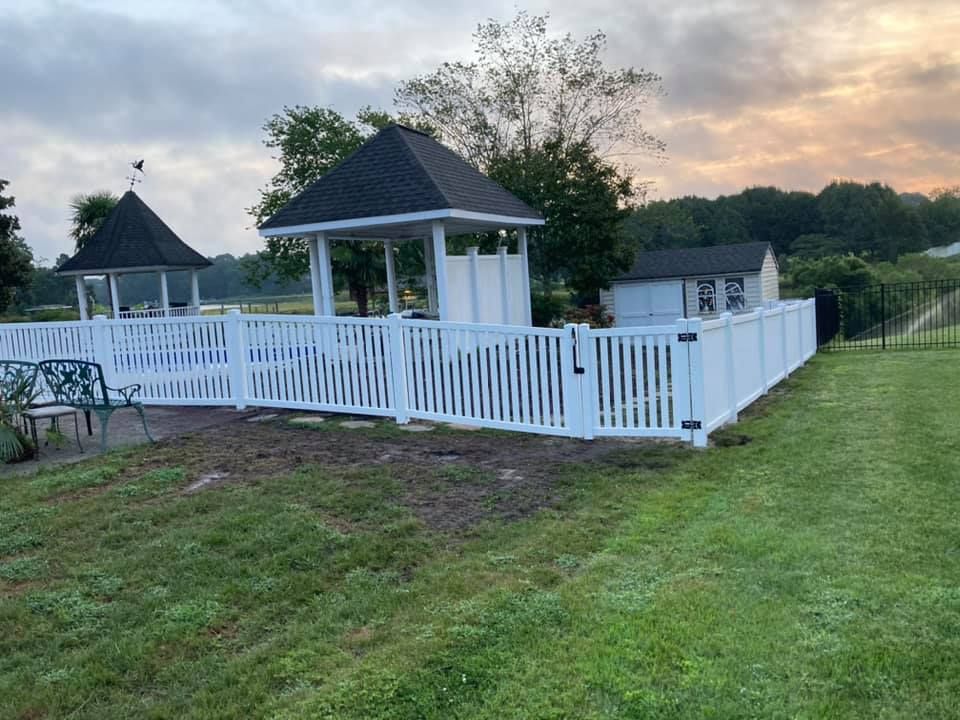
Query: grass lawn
[(812, 572)]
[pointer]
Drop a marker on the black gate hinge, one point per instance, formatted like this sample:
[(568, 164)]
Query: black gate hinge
[(687, 337), (691, 425)]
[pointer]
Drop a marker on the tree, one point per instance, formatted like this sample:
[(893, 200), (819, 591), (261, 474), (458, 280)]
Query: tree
[(941, 216), (586, 201), (526, 88), (311, 141), (661, 225), (88, 213), (16, 260)]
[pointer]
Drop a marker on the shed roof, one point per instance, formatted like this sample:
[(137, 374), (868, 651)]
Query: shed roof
[(397, 174), (133, 238), (688, 262)]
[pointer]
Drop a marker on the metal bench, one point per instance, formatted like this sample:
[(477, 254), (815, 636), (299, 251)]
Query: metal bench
[(80, 384), (18, 380)]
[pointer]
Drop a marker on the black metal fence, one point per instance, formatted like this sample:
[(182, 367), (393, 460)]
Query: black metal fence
[(890, 316)]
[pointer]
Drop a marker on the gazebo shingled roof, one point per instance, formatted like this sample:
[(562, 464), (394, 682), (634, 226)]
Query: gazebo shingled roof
[(133, 239), (397, 174)]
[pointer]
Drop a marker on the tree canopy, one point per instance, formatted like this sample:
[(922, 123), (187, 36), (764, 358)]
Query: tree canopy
[(845, 217), (16, 260), (526, 87)]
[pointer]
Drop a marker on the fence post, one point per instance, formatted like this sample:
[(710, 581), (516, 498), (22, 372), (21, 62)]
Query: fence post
[(398, 369), (589, 382), (883, 315), (571, 382), (731, 358), (783, 340), (762, 320), (698, 410), (237, 358), (102, 353)]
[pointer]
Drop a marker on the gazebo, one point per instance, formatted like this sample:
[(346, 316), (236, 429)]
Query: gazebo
[(133, 239), (402, 185)]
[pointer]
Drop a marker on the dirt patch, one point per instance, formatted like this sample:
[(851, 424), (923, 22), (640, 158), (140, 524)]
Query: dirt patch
[(450, 480)]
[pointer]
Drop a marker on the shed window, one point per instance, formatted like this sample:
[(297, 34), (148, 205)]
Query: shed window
[(707, 296), (733, 293)]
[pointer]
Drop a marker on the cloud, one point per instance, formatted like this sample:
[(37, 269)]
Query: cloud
[(790, 93)]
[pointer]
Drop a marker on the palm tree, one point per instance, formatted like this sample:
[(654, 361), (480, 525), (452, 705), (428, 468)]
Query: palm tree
[(88, 213), (363, 266)]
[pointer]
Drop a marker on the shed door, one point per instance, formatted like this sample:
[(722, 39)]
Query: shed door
[(648, 303)]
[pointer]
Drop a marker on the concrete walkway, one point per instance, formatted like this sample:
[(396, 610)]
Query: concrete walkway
[(124, 430)]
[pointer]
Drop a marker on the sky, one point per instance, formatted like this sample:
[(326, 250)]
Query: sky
[(792, 94)]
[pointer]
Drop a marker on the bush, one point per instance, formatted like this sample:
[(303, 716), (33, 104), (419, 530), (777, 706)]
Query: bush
[(546, 308), (596, 316)]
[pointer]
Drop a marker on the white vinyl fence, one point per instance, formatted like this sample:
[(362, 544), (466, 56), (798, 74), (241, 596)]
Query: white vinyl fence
[(673, 381)]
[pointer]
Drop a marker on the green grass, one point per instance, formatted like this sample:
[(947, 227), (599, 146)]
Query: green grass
[(813, 572)]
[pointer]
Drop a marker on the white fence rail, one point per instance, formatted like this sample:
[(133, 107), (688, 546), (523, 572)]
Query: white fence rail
[(673, 381)]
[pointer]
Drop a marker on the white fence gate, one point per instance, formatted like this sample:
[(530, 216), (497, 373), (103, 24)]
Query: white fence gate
[(672, 381)]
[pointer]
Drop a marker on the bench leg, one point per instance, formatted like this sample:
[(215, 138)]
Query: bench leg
[(86, 414), (33, 436), (104, 416), (143, 419), (76, 430)]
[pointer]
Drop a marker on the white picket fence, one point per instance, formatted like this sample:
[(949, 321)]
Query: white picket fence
[(672, 381)]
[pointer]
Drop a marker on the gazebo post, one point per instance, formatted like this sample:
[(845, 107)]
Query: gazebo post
[(391, 276), (114, 294), (326, 274), (195, 290), (315, 288), (430, 276), (164, 293), (525, 273), (440, 267), (82, 296)]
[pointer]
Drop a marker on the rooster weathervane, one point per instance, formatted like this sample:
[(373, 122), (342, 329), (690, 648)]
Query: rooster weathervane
[(137, 166)]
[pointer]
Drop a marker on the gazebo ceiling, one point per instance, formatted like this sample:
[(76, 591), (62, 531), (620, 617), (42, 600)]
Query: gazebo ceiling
[(394, 187), (133, 239)]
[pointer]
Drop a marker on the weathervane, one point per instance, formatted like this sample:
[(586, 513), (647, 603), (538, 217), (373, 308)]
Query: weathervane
[(137, 166)]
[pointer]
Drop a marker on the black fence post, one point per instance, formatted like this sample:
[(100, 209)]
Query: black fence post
[(883, 316)]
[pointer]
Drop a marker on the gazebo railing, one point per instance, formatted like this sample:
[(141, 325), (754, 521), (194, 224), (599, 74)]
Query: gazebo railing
[(185, 311)]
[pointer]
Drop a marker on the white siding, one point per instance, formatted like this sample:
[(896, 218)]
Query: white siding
[(606, 299), (770, 278)]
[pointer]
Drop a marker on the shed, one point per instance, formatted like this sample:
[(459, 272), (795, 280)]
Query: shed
[(664, 285), (133, 239), (404, 186)]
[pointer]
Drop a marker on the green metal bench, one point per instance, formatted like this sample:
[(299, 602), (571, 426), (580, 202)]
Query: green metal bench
[(80, 384)]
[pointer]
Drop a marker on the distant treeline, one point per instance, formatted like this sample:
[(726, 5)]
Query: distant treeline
[(225, 279), (867, 220)]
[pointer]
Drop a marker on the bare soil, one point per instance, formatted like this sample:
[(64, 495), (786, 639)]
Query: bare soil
[(451, 480)]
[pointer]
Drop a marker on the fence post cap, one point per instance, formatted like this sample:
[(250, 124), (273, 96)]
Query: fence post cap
[(233, 311), (99, 317)]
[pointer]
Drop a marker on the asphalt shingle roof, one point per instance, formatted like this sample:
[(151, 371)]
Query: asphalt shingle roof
[(398, 171), (687, 262), (133, 236)]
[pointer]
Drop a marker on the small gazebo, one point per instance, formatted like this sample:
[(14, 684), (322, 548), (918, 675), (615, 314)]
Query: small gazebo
[(402, 185), (133, 239)]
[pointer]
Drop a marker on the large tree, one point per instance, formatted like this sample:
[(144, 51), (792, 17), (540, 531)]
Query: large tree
[(526, 87), (543, 115), (16, 260), (309, 142), (585, 201)]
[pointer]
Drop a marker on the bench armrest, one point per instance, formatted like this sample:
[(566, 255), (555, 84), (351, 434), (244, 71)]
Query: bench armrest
[(128, 392)]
